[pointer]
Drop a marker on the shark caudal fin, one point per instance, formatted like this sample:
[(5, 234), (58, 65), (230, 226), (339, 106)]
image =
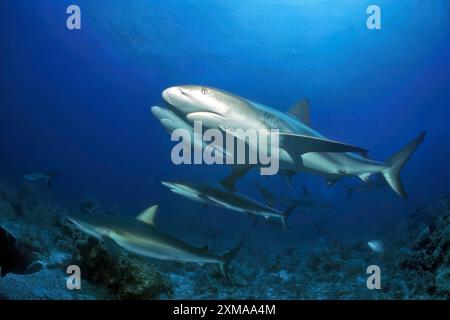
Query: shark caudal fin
[(396, 163), (227, 257), (286, 213)]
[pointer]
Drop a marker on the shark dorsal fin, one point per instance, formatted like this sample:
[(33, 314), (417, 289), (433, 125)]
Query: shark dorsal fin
[(148, 216), (300, 110)]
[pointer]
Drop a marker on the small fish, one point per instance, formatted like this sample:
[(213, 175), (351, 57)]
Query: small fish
[(35, 176), (14, 257), (376, 245)]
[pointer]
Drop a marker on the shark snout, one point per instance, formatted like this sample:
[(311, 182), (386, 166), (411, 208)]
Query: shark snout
[(170, 94), (168, 184)]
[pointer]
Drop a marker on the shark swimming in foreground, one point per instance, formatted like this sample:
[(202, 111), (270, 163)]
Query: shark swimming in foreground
[(141, 237), (301, 147), (224, 195)]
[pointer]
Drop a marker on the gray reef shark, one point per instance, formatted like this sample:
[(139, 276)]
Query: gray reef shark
[(305, 201), (140, 236), (224, 195), (301, 147), (34, 176), (375, 183)]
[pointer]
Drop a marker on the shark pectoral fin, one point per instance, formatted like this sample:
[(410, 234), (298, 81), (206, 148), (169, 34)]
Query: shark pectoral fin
[(208, 119), (300, 110), (148, 216), (238, 134), (297, 144)]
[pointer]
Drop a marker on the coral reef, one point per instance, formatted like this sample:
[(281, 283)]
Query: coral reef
[(415, 265), (429, 259), (126, 276), (44, 229)]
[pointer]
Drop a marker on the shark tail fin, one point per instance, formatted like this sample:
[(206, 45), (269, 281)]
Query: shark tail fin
[(49, 179), (286, 214), (348, 190), (396, 163), (226, 259)]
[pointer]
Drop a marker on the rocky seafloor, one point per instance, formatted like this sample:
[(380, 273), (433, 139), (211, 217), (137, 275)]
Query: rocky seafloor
[(330, 268)]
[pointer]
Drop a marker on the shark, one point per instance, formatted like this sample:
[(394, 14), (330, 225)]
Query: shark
[(302, 148), (375, 183), (223, 194), (141, 237), (305, 201), (34, 176)]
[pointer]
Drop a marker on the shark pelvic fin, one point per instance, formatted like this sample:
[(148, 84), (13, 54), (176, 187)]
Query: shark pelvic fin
[(300, 110), (149, 215), (365, 177)]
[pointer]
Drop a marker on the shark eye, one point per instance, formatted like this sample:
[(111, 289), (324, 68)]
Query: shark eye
[(204, 90)]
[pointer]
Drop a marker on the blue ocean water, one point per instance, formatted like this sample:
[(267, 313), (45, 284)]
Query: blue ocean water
[(78, 101)]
